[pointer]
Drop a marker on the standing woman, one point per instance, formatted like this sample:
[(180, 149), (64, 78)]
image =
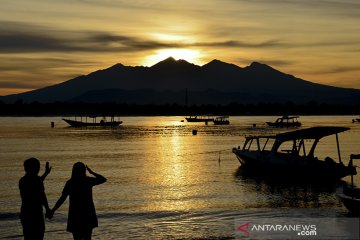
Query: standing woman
[(82, 215)]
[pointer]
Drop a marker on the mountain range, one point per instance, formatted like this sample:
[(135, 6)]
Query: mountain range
[(172, 81)]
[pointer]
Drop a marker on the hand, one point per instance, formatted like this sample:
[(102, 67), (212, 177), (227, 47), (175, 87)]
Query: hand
[(89, 170), (47, 168)]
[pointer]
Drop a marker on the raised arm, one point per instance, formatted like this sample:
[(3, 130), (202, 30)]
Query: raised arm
[(100, 179), (47, 171)]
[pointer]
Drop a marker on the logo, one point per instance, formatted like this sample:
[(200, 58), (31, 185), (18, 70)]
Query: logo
[(283, 228), (244, 228)]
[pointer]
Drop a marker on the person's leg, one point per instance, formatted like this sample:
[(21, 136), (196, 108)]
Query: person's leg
[(87, 234), (33, 231), (77, 236)]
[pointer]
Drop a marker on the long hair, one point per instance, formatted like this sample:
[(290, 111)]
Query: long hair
[(78, 171)]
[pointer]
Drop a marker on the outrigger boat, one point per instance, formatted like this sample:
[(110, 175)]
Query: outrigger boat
[(285, 121), (103, 122), (200, 118), (292, 154), (350, 196), (222, 120)]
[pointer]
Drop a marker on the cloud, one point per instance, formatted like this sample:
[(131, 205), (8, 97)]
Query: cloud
[(19, 40), (18, 85), (270, 62), (16, 42), (345, 4), (340, 69), (238, 44), (32, 64)]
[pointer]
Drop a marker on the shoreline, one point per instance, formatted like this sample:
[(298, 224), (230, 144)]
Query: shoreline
[(234, 109)]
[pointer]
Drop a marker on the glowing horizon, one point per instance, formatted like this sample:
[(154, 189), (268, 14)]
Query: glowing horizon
[(315, 41)]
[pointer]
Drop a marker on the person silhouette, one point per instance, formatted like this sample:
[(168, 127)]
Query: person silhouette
[(33, 199), (82, 217)]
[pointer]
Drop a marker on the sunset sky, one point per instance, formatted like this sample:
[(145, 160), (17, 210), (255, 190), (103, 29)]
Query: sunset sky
[(43, 42)]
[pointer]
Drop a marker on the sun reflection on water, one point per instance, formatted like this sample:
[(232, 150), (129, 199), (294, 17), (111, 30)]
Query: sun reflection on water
[(174, 174)]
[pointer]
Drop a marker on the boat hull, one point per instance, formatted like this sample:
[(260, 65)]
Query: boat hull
[(284, 124), (350, 198), (285, 165), (199, 120), (74, 123), (221, 122)]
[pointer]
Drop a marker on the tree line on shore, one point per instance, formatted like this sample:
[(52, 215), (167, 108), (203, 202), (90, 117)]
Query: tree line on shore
[(19, 108)]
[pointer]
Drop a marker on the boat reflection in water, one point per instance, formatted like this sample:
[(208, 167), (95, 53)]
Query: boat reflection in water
[(277, 191)]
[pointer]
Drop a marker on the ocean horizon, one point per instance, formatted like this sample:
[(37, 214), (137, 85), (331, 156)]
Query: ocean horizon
[(163, 181)]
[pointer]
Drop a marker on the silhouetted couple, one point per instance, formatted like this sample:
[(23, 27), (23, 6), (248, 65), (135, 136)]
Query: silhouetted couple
[(82, 215)]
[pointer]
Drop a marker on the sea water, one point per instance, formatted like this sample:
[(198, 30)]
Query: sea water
[(163, 181)]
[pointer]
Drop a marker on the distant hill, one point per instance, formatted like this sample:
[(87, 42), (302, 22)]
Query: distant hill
[(216, 82)]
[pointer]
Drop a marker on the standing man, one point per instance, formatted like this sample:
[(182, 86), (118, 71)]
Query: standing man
[(33, 199)]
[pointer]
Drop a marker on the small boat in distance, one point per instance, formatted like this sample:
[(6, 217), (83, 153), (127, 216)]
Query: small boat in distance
[(356, 120), (350, 196), (200, 118), (222, 120), (94, 123), (285, 121), (292, 155)]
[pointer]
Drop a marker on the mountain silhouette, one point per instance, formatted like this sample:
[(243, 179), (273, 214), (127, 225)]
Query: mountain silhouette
[(216, 82)]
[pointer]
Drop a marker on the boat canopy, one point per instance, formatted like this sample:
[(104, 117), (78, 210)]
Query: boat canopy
[(297, 137), (310, 133), (288, 117)]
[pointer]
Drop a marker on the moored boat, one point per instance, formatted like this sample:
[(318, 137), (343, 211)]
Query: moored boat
[(350, 195), (285, 121), (292, 154), (104, 122), (222, 120), (356, 120), (200, 118)]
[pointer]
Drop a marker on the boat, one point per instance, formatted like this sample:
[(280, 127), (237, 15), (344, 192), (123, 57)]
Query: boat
[(285, 121), (93, 123), (200, 118), (292, 154), (356, 120), (350, 195), (222, 120)]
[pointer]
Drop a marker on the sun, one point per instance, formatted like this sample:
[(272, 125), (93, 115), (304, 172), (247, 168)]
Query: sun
[(190, 55)]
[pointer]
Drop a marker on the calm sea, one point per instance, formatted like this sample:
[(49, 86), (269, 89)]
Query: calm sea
[(163, 182)]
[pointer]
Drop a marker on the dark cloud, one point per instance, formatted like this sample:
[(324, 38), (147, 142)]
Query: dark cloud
[(27, 39), (341, 69), (31, 64), (267, 61), (16, 42), (270, 62), (237, 44), (24, 38), (130, 43), (18, 85)]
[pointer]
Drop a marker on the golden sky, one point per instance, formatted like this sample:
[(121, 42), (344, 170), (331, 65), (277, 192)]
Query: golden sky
[(44, 42)]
